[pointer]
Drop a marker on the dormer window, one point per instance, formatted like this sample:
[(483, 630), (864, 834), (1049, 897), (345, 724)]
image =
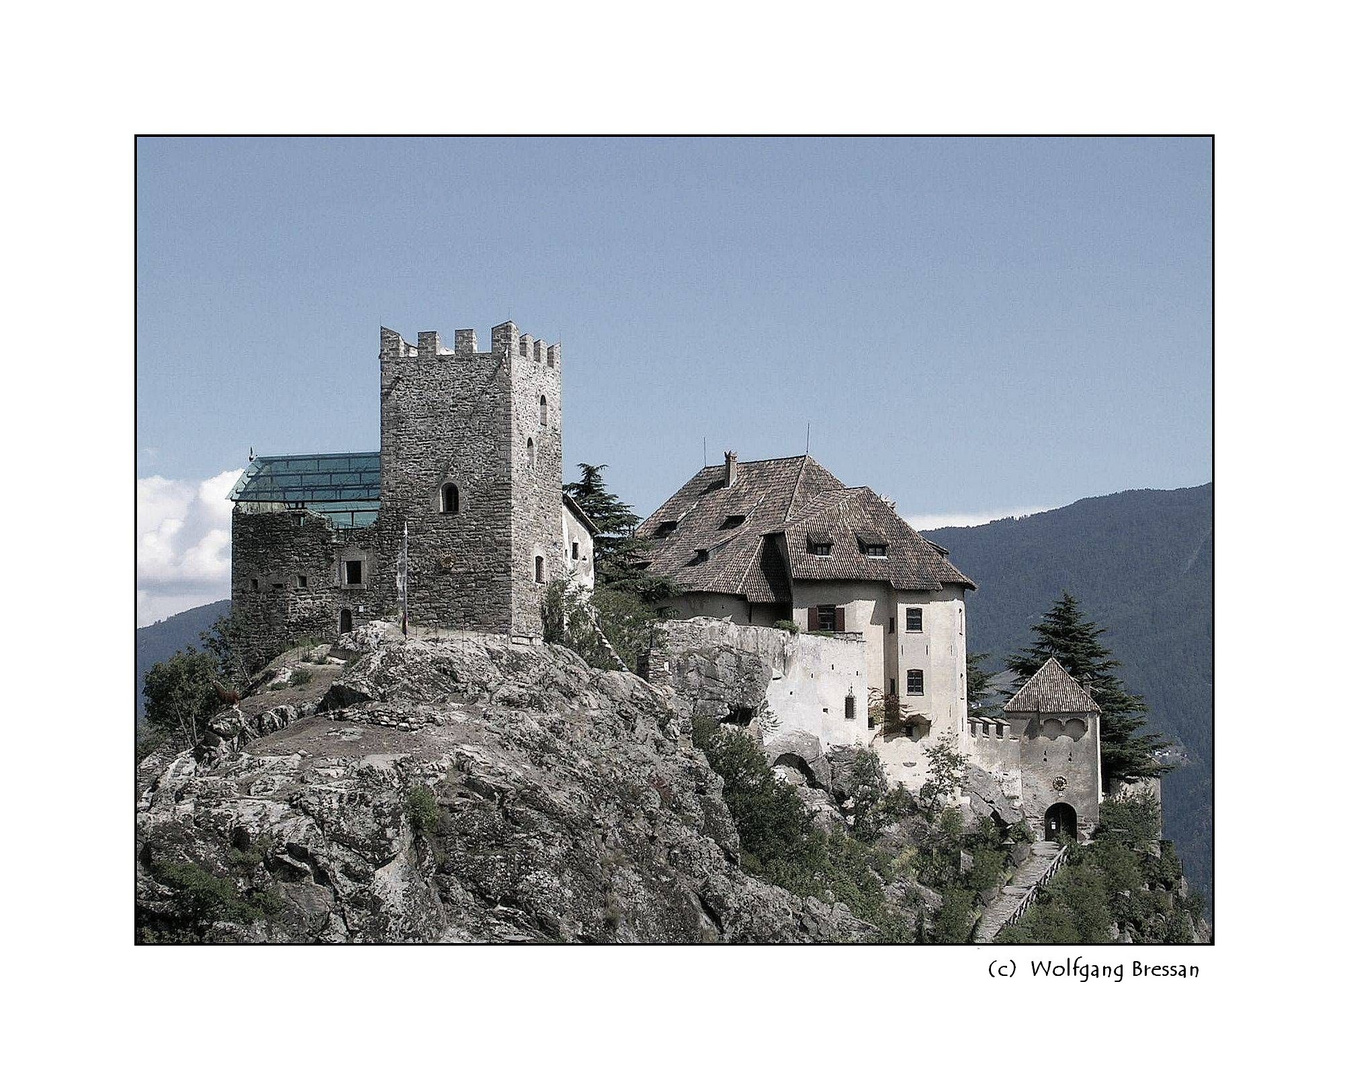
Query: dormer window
[(823, 550), (874, 551), (665, 528), (699, 556), (733, 521)]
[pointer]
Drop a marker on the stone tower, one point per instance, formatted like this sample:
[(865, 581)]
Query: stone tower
[(471, 461)]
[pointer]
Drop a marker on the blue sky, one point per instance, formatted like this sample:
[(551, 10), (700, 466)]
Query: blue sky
[(971, 327)]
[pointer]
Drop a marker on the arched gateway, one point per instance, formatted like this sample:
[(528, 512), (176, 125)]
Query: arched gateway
[(1061, 822)]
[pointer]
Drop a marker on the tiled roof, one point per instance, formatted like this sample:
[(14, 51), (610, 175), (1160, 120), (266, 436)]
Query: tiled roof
[(785, 503), (1051, 690), (851, 518)]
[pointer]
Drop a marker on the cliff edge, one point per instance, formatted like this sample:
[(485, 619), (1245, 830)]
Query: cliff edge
[(459, 789)]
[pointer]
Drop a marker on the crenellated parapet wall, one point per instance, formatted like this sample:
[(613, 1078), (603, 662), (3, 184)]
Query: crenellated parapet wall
[(506, 341)]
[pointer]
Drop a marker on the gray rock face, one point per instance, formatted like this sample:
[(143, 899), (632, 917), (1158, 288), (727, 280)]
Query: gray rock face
[(456, 790), (987, 798)]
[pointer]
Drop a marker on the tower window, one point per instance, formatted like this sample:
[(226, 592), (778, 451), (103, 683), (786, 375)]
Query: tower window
[(543, 411), (255, 584), (915, 682), (449, 499), (575, 551), (538, 568), (913, 618), (354, 571), (302, 582), (529, 452), (849, 707)]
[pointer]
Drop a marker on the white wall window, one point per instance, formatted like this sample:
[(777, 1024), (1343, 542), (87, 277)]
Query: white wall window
[(913, 619)]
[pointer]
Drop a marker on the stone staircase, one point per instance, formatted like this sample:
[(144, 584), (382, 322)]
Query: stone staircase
[(1046, 859)]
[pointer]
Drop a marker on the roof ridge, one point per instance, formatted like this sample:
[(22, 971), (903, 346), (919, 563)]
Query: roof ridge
[(796, 488)]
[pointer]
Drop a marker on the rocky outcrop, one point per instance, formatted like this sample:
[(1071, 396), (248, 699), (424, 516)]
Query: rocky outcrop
[(462, 789), (987, 797)]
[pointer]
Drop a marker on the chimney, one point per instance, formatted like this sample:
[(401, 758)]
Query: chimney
[(730, 468)]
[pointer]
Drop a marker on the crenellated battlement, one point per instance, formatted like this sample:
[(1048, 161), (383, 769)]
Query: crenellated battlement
[(506, 341)]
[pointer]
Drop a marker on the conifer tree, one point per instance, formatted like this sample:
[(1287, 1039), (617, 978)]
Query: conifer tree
[(1067, 635), (619, 556)]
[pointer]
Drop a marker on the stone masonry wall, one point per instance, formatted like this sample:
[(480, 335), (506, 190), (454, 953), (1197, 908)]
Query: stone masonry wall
[(443, 419), (536, 474), (295, 558), (466, 417)]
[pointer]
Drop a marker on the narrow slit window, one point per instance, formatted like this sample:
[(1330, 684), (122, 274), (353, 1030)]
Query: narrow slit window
[(575, 551), (529, 452), (849, 707), (538, 568), (543, 410)]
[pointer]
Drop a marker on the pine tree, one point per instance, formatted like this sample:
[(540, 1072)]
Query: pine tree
[(1068, 636), (978, 685), (620, 557)]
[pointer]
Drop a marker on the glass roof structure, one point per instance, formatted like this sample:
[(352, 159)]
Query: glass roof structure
[(342, 487)]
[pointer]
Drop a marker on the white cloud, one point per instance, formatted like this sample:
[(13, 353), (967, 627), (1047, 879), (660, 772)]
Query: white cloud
[(182, 543), (926, 522)]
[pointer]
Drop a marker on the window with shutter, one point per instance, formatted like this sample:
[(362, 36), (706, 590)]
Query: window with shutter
[(838, 619), (812, 618)]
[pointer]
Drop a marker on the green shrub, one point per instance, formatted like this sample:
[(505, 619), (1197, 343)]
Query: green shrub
[(989, 869), (1134, 820), (956, 918), (779, 844), (787, 624), (199, 898), (422, 810), (300, 677)]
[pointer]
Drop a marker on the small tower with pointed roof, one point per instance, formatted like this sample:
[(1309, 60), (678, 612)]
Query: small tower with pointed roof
[(1057, 727)]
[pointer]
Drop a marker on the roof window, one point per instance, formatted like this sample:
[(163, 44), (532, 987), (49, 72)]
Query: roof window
[(665, 528), (733, 521)]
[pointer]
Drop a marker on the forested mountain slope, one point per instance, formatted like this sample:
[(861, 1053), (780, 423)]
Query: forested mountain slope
[(1141, 564)]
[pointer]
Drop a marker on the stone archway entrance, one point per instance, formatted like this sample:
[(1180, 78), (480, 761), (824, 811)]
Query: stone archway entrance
[(1061, 822), (344, 621)]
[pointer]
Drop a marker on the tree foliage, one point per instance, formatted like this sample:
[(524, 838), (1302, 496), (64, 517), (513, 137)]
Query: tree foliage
[(978, 685), (1125, 881), (1127, 753), (226, 640), (620, 557), (945, 770), (180, 694)]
